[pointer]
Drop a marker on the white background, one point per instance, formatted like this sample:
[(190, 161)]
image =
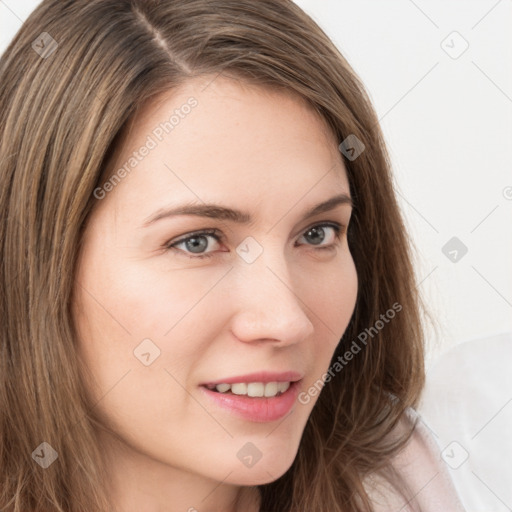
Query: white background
[(448, 125)]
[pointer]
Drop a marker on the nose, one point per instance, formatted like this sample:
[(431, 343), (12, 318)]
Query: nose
[(267, 305)]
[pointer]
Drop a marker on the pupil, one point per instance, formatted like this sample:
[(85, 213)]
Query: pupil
[(193, 244), (317, 231)]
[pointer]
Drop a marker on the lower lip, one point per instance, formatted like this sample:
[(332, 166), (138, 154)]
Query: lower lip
[(258, 409)]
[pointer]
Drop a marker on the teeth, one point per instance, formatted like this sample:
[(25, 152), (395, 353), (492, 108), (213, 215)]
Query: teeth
[(223, 387), (239, 389), (282, 386), (270, 389), (254, 389)]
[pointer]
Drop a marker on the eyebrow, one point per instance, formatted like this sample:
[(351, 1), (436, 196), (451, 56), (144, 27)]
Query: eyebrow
[(215, 211)]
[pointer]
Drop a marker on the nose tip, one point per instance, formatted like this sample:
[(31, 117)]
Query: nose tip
[(270, 309)]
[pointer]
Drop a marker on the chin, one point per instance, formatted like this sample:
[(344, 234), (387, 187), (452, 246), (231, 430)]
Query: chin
[(249, 479), (261, 473)]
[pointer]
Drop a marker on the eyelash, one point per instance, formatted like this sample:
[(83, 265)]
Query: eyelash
[(338, 228)]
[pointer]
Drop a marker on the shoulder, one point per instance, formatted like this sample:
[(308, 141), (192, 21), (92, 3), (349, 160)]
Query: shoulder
[(425, 483)]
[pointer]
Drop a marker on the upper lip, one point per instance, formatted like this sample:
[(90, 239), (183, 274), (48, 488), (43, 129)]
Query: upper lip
[(262, 376)]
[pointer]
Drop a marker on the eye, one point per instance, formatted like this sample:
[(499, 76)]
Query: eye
[(317, 232), (194, 244)]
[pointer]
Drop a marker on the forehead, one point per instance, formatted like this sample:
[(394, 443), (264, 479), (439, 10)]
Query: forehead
[(224, 137), (236, 117)]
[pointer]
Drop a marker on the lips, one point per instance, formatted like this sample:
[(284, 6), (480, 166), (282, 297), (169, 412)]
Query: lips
[(261, 409), (255, 408)]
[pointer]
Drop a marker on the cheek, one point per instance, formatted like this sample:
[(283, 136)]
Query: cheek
[(133, 301), (127, 310), (333, 303), (347, 289), (332, 298), (123, 313), (331, 294)]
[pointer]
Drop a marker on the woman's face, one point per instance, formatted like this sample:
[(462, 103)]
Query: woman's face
[(157, 322)]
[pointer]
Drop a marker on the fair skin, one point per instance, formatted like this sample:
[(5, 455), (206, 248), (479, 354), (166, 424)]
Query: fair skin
[(267, 154)]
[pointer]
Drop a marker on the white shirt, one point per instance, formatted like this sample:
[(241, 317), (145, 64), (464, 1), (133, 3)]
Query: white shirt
[(422, 470), (467, 402)]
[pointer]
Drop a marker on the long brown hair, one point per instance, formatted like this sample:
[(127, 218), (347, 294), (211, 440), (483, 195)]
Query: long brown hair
[(72, 78)]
